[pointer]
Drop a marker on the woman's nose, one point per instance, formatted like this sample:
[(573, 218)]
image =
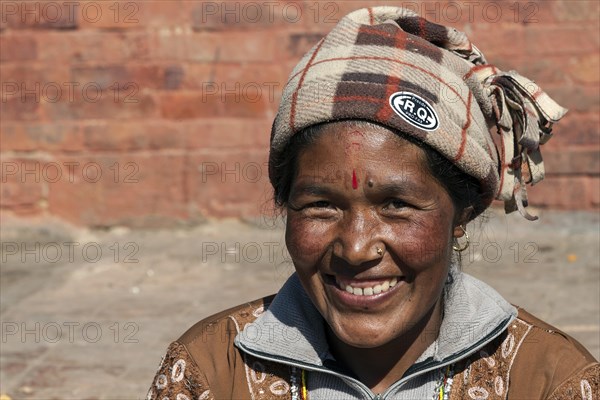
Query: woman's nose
[(358, 239)]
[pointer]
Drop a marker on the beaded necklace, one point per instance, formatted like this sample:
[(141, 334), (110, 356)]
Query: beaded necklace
[(298, 387), (442, 389)]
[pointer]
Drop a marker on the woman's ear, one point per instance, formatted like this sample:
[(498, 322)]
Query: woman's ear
[(461, 221)]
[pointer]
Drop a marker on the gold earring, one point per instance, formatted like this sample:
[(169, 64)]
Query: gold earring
[(455, 247), (379, 251)]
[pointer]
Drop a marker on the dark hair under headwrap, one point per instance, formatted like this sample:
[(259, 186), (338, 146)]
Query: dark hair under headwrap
[(392, 67)]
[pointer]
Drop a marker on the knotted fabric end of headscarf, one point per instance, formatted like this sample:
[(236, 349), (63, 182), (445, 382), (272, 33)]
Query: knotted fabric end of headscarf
[(524, 117)]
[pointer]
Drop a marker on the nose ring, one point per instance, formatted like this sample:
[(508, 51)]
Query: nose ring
[(379, 251)]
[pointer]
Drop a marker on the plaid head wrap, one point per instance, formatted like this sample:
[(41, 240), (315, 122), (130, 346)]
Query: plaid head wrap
[(392, 67)]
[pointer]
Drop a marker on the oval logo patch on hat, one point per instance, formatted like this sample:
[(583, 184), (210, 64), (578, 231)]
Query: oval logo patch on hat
[(415, 110)]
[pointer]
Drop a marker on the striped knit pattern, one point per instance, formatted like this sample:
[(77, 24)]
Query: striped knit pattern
[(375, 52)]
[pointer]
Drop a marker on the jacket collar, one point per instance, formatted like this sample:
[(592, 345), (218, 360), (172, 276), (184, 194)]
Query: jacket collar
[(292, 330)]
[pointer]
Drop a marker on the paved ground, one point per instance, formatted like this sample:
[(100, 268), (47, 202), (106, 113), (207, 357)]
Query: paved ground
[(88, 314)]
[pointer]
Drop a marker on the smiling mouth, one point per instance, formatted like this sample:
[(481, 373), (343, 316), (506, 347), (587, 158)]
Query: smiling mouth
[(364, 288)]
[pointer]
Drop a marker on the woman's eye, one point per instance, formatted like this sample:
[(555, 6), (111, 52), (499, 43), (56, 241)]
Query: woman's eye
[(320, 204), (320, 209), (395, 204)]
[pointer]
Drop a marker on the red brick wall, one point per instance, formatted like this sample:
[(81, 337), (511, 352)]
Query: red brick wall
[(158, 112)]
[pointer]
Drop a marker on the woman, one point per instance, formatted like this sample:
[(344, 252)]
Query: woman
[(393, 133)]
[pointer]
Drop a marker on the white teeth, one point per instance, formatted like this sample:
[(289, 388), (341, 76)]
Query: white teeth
[(369, 291), (385, 286)]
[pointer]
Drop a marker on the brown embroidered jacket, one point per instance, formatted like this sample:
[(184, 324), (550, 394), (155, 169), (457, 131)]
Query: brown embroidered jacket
[(525, 359)]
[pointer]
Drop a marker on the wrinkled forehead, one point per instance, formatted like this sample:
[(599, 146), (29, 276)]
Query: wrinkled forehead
[(342, 144)]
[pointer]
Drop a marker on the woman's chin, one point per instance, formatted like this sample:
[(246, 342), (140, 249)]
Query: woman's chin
[(362, 337)]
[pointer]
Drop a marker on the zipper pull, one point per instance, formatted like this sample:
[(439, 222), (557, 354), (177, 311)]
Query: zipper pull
[(377, 397)]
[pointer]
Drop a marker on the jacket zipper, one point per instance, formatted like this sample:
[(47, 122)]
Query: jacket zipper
[(427, 367), (309, 367), (430, 366)]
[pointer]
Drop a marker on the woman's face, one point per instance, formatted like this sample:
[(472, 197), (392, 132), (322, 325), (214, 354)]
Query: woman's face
[(356, 190)]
